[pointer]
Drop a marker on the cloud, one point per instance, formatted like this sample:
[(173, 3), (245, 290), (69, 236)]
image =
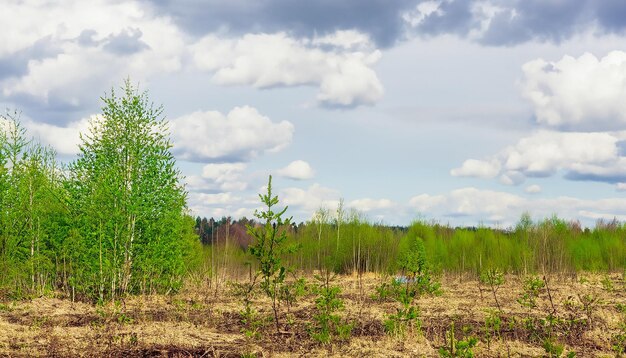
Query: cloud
[(380, 19), (310, 199), (533, 189), (219, 198), (223, 172), (471, 206), (60, 59), (64, 139), (620, 186), (584, 93), (470, 202), (227, 175), (441, 17), (238, 136), (219, 204), (477, 168), (297, 170), (223, 177), (508, 23), (368, 204), (127, 42), (582, 156), (340, 64), (490, 22)]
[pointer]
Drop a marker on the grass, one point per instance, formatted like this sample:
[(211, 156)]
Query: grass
[(192, 323)]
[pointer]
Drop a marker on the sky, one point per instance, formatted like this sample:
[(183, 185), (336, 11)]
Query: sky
[(464, 112)]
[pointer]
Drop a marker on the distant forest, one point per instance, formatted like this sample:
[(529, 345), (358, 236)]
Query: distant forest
[(354, 244)]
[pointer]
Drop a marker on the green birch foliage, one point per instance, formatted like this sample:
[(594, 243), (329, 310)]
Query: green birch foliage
[(130, 206), (33, 215)]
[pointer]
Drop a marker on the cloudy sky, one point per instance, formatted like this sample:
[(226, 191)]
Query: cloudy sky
[(461, 111)]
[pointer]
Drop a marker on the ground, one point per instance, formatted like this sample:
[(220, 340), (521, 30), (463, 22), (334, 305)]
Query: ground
[(582, 313)]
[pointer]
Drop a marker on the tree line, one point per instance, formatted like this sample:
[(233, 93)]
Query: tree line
[(350, 243)]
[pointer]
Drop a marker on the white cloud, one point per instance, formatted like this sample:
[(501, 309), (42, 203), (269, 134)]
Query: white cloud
[(224, 177), (73, 69), (582, 156), (533, 189), (240, 135), (487, 204), (512, 177), (584, 93), (223, 172), (310, 199), (620, 186), (367, 204), (545, 152), (64, 139), (219, 198), (81, 48), (343, 72), (219, 205), (297, 170), (477, 168), (471, 206), (601, 216)]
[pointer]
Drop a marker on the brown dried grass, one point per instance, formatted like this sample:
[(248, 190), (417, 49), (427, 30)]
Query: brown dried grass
[(200, 321)]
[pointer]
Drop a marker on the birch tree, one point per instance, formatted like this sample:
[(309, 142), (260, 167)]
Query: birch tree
[(130, 204)]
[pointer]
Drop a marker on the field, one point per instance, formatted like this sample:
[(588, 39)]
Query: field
[(584, 314)]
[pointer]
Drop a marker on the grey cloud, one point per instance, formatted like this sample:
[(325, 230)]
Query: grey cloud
[(611, 14), (611, 178), (454, 17), (56, 109), (16, 64), (621, 148), (381, 19), (85, 38), (541, 20), (537, 19), (126, 42), (519, 21)]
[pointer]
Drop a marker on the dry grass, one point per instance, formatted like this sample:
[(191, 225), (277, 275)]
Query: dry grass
[(202, 321)]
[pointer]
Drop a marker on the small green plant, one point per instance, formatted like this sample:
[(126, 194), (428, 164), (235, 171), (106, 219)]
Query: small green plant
[(607, 283), (458, 348), (589, 303), (252, 322), (123, 318), (414, 265), (386, 291), (269, 247), (493, 277), (532, 288), (405, 318), (291, 291), (416, 281), (552, 347), (493, 326), (618, 339), (329, 325)]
